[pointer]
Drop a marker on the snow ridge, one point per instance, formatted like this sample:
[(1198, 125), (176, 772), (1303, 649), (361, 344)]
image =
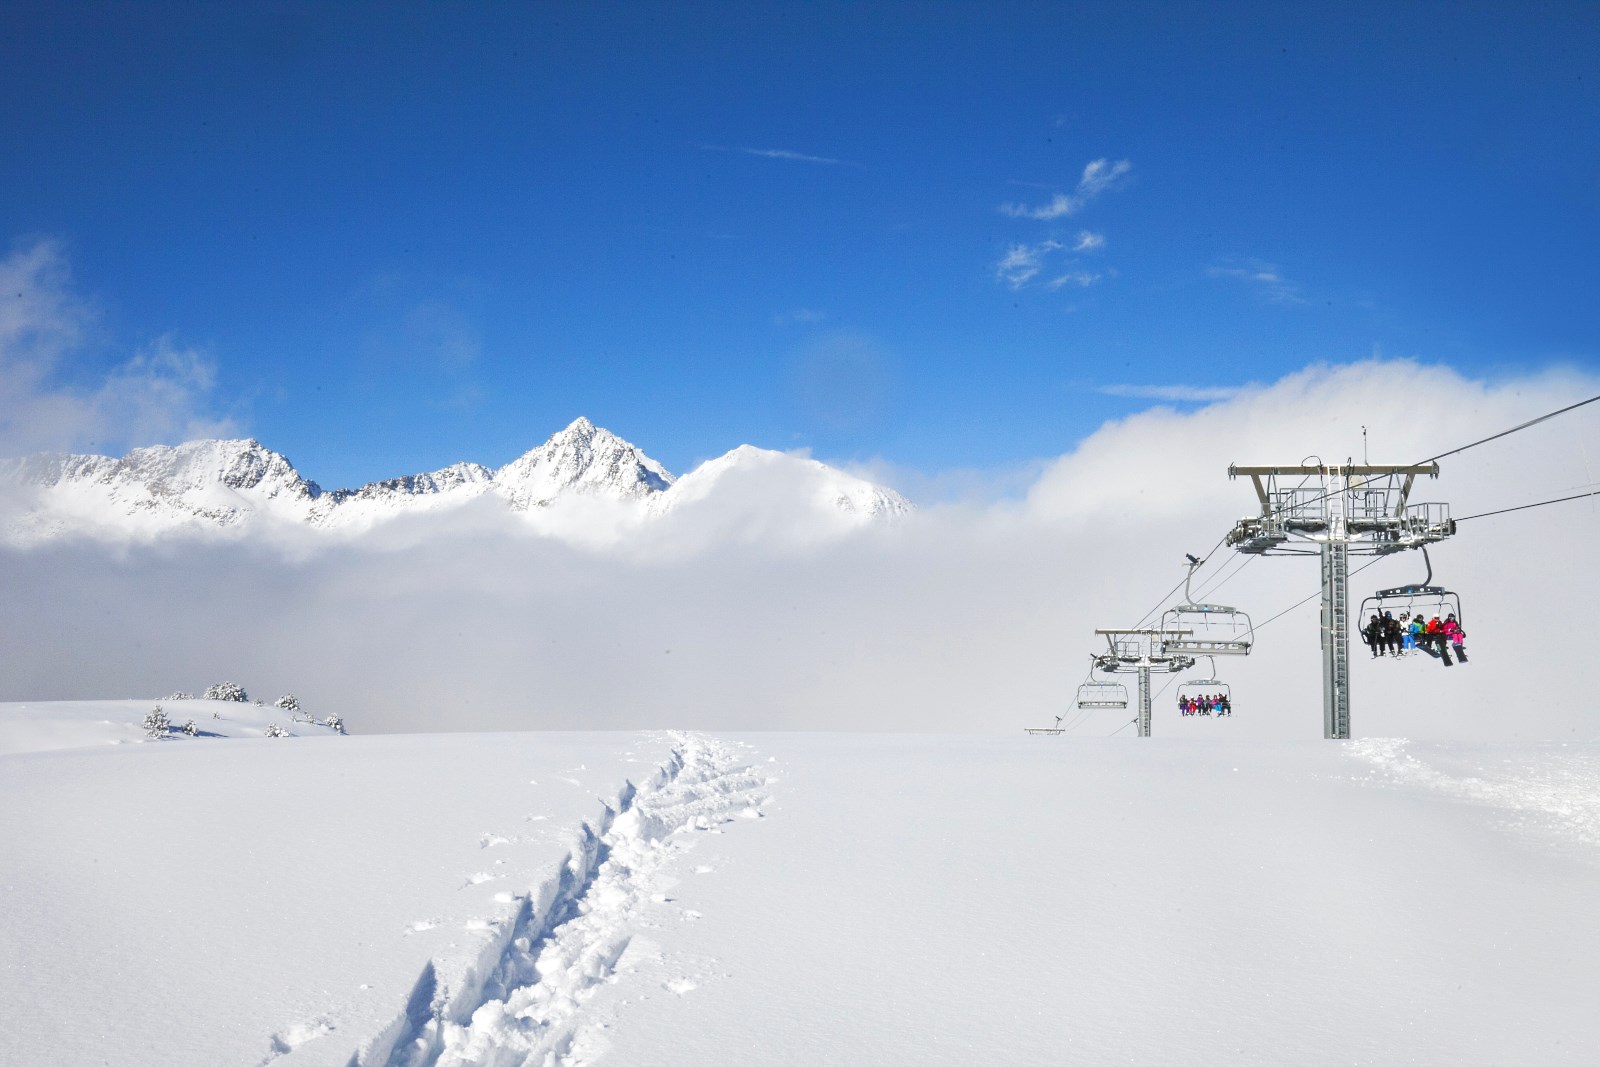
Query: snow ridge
[(1556, 794), (523, 1003)]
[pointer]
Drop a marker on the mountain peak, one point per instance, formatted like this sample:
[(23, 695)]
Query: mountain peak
[(583, 458)]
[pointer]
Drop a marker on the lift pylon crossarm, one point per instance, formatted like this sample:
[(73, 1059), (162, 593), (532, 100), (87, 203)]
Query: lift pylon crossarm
[(1365, 504)]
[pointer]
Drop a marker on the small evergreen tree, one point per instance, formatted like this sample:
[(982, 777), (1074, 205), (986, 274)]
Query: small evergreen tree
[(288, 702), (191, 729), (334, 723), (227, 691), (155, 723), (275, 730)]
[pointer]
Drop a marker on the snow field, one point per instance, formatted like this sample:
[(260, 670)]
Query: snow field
[(575, 899), (290, 902), (936, 900)]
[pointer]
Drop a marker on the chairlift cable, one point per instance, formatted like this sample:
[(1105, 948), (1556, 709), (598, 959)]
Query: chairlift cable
[(1209, 556), (1318, 593), (1514, 429), (1244, 561), (1525, 507), (1455, 451), (1121, 728)]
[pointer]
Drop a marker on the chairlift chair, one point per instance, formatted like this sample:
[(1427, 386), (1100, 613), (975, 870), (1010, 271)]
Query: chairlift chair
[(1102, 695), (1217, 630), (1422, 598), (1201, 687)]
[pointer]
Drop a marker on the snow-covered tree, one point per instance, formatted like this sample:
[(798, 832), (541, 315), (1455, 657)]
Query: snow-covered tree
[(275, 730), (334, 723), (288, 702), (227, 691), (180, 695), (191, 729), (155, 723)]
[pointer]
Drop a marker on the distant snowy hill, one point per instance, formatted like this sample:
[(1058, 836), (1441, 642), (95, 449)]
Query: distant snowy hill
[(584, 483)]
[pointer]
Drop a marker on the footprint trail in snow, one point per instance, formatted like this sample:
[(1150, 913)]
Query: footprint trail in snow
[(530, 1010)]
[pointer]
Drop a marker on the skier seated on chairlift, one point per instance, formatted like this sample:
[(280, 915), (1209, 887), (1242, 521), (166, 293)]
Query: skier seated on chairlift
[(1206, 704), (1393, 633), (1373, 634), (1451, 630), (1418, 629)]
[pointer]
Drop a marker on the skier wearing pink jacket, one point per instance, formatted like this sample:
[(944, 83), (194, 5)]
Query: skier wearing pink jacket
[(1451, 629)]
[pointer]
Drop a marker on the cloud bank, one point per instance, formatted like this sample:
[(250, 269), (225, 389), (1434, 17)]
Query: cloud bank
[(51, 396), (970, 616)]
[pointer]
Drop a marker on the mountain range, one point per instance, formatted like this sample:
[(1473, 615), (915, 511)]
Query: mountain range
[(584, 483)]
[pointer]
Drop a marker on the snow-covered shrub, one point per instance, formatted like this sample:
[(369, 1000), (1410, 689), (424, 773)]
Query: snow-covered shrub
[(227, 691), (191, 729), (180, 695), (334, 723), (155, 723), (276, 731), (261, 703), (288, 702)]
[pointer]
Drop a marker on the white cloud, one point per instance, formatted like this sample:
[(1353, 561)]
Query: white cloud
[(1081, 278), (1180, 394), (159, 394), (779, 153), (1264, 278), (976, 615), (803, 316), (1089, 242), (1022, 262), (1098, 176)]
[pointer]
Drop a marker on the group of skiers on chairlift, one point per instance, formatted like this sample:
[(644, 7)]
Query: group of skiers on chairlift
[(1385, 633), (1206, 704)]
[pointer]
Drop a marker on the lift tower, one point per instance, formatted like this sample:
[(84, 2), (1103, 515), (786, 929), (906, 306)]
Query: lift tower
[(1336, 511), (1143, 651)]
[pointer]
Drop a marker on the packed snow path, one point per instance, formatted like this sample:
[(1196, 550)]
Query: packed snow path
[(526, 1007)]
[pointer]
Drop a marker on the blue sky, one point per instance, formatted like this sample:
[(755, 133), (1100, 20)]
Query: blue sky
[(946, 235)]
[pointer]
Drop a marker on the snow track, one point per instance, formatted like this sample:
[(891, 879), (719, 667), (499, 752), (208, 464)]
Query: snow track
[(522, 1005)]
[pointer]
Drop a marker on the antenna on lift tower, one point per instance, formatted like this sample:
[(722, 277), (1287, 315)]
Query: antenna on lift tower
[(1351, 508), (1143, 650)]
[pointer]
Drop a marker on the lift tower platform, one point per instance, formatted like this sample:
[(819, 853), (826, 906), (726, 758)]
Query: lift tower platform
[(1336, 511), (1144, 651)]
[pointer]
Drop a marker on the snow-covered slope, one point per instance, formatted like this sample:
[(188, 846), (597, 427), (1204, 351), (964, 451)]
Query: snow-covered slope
[(747, 470), (680, 899), (776, 499), (44, 726), (584, 483)]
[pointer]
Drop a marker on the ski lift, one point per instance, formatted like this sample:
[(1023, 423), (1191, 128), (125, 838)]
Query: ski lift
[(1092, 694), (1211, 687), (1423, 599), (1217, 630), (1054, 731)]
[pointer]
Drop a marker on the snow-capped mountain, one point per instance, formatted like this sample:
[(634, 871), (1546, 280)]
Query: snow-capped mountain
[(584, 482), (580, 459)]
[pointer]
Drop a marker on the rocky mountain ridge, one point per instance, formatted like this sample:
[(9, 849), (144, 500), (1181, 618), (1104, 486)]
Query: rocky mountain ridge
[(584, 470)]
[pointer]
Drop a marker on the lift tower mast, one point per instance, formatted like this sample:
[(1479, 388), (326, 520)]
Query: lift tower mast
[(1144, 651), (1336, 511)]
